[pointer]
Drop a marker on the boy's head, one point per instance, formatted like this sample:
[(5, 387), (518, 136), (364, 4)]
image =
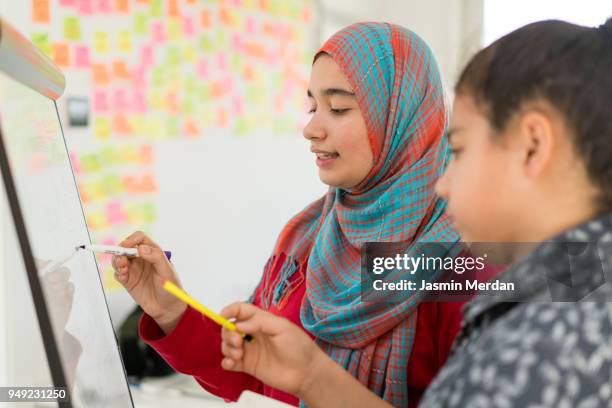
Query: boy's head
[(531, 133)]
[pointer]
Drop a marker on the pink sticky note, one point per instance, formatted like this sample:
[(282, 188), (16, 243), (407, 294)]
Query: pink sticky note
[(222, 61), (249, 25), (84, 6), (146, 55), (100, 102), (238, 106), (140, 101), (202, 69), (104, 6), (115, 213), (159, 32), (139, 78), (81, 56), (67, 3), (228, 83), (188, 26), (74, 160), (120, 100), (237, 42)]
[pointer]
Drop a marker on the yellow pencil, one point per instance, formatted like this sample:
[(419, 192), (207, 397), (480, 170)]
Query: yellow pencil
[(182, 295)]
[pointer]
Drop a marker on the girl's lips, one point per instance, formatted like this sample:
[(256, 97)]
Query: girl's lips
[(325, 162)]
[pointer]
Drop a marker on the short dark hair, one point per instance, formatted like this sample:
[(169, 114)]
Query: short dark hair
[(566, 65)]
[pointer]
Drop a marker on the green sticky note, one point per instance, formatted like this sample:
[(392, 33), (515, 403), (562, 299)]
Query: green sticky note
[(156, 8), (72, 28), (141, 24), (41, 40)]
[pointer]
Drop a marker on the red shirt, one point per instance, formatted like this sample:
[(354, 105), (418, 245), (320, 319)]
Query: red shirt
[(194, 348)]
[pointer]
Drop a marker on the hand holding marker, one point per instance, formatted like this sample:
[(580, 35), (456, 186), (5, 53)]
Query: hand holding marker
[(116, 250), (168, 286)]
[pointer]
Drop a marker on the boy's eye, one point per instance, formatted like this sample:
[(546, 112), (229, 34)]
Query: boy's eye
[(455, 151)]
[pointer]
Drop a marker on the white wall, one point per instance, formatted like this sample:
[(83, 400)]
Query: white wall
[(452, 28)]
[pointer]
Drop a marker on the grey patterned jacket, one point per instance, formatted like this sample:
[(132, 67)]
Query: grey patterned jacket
[(549, 344)]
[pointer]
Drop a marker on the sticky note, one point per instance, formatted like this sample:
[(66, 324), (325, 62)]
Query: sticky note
[(188, 26), (159, 32), (85, 7), (174, 29), (146, 154), (156, 8), (124, 41), (173, 8), (120, 100), (67, 3), (191, 128), (205, 18), (115, 213), (72, 28), (81, 56), (122, 6), (61, 54), (101, 42), (140, 101), (104, 6), (40, 11), (146, 55), (102, 128), (141, 24), (100, 102), (100, 74), (202, 69), (41, 40), (120, 70), (121, 124)]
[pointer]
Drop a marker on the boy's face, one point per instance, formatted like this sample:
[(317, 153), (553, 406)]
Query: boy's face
[(482, 180)]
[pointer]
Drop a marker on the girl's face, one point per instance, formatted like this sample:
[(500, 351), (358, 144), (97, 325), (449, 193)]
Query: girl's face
[(337, 131), (478, 182)]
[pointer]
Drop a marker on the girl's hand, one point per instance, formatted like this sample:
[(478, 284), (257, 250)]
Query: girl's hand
[(143, 277), (281, 355)]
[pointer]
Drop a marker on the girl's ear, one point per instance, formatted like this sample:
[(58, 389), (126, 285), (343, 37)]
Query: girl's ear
[(536, 140)]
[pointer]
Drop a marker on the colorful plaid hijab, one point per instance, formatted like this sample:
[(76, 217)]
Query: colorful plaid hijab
[(398, 87)]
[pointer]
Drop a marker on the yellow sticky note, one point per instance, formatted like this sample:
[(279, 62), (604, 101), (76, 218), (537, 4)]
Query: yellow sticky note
[(101, 42), (72, 28), (102, 128), (124, 41)]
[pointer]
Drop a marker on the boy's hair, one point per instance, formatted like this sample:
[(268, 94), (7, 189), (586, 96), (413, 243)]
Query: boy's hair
[(566, 65)]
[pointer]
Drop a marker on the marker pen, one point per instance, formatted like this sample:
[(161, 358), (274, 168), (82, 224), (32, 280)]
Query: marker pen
[(116, 250)]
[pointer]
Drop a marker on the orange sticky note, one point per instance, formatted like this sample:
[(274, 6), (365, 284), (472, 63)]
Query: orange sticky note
[(40, 11), (121, 124), (173, 8), (120, 70), (122, 6), (205, 18), (100, 74), (61, 54)]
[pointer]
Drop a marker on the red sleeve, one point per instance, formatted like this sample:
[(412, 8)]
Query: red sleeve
[(194, 348)]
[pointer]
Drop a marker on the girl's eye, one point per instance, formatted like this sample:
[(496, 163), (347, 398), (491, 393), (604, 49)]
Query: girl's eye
[(311, 110), (338, 111)]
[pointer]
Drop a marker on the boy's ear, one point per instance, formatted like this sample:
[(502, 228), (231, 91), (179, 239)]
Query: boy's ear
[(536, 141)]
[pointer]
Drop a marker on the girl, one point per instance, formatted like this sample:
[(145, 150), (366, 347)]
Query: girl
[(378, 120), (531, 136)]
